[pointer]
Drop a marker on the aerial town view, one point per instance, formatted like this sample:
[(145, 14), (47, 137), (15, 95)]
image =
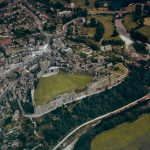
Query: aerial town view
[(74, 75)]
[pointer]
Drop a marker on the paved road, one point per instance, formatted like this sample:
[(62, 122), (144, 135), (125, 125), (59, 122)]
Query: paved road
[(145, 98)]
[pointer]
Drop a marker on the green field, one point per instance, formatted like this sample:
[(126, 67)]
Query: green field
[(118, 70), (50, 87), (145, 30), (108, 25), (129, 136), (147, 21), (81, 3), (129, 22)]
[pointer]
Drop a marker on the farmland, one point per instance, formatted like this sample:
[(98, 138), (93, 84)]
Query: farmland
[(108, 25), (129, 22), (145, 30), (135, 135), (55, 85), (147, 21)]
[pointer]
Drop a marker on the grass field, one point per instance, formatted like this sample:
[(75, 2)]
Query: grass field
[(145, 30), (91, 31), (147, 21), (81, 3), (118, 70), (129, 136), (50, 87), (108, 25), (129, 22)]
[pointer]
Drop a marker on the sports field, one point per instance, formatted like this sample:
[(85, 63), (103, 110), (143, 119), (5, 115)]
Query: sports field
[(129, 136), (55, 85)]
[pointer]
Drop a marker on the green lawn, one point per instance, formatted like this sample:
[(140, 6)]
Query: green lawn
[(129, 22), (145, 30), (118, 70), (108, 25), (50, 87), (81, 3), (129, 136), (147, 21)]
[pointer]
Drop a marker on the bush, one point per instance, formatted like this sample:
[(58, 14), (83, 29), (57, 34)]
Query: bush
[(137, 36), (140, 47), (112, 42)]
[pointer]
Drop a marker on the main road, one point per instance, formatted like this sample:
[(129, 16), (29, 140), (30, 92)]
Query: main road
[(145, 98)]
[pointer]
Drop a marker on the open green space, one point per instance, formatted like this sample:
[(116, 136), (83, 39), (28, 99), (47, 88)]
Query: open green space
[(147, 21), (55, 85), (118, 70), (129, 22), (129, 136), (81, 3), (145, 30), (108, 25)]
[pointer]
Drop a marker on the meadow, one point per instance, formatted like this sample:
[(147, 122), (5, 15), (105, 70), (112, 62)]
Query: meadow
[(108, 25), (127, 136)]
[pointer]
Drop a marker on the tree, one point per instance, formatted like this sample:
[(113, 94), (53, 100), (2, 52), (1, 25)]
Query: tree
[(87, 3), (147, 9), (96, 4), (99, 32), (138, 12), (137, 36), (140, 47), (93, 22)]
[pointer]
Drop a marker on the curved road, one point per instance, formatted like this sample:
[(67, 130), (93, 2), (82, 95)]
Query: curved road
[(145, 98)]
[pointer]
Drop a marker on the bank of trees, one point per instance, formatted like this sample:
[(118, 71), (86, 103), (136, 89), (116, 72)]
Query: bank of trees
[(137, 36), (99, 32), (141, 47), (65, 119), (84, 142), (118, 4), (91, 44)]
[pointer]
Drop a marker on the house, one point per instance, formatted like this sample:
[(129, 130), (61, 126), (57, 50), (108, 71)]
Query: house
[(64, 13), (6, 41), (106, 48)]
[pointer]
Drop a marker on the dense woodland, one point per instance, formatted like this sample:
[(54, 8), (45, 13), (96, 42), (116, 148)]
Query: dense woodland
[(58, 123)]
